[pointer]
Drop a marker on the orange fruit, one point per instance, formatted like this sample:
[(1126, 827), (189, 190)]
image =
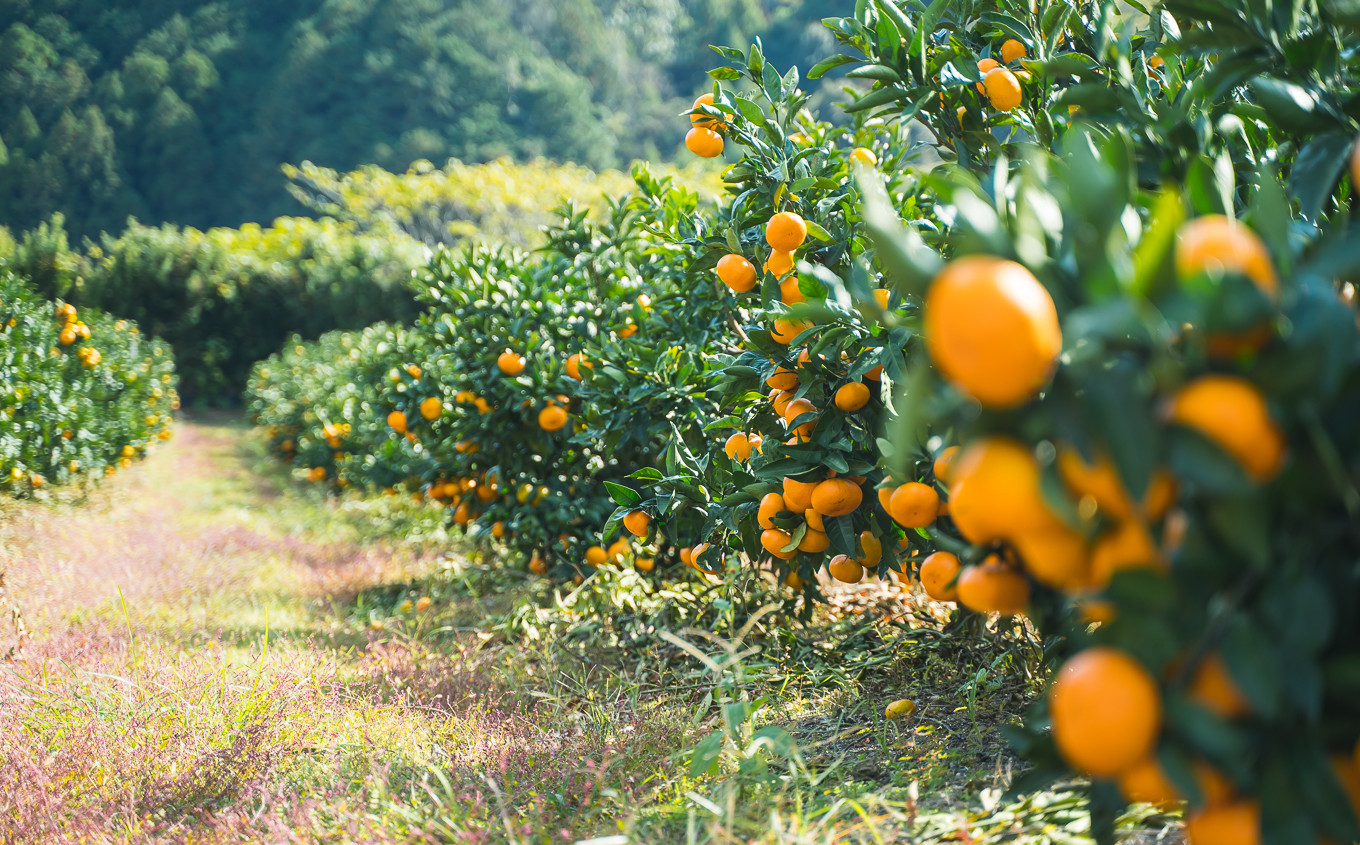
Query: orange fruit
[(851, 397), (1217, 244), (783, 379), (790, 293), (793, 582), (814, 541), (574, 365), (775, 539), (1156, 62), (845, 569), (814, 520), (786, 331), (1212, 687), (984, 66), (538, 565), (1106, 711), (397, 421), (498, 530), (797, 408), (618, 549), (992, 330), (1012, 50), (462, 515), (738, 447), (779, 265), (1232, 412), (1101, 481), (863, 156), (771, 505), (995, 494), (882, 296), (552, 418), (1235, 823), (596, 556), (798, 494), (1127, 546), (1056, 556), (872, 547), (914, 505), (938, 572), (637, 522), (993, 587), (704, 142), (836, 497), (785, 231), (644, 564), (431, 408), (944, 464), (510, 363), (757, 442), (737, 273), (1147, 783), (704, 121)]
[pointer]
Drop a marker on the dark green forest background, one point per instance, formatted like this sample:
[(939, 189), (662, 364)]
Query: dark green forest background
[(182, 110)]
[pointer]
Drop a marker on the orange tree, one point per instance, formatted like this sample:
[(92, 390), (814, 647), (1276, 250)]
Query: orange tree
[(790, 476), (82, 394), (1159, 465), (1202, 87)]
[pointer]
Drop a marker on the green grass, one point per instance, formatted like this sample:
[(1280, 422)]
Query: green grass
[(221, 653)]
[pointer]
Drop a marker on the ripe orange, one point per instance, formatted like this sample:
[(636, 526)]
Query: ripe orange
[(993, 587), (704, 142), (789, 291), (498, 530), (785, 231), (814, 520), (1219, 244), (992, 329), (538, 565), (431, 408), (796, 409), (1232, 412), (783, 379), (914, 505), (771, 505), (574, 365), (552, 418), (619, 549), (637, 522), (873, 549), (397, 420), (1003, 89), (510, 363), (944, 464), (1055, 556), (984, 66), (705, 121), (1147, 783), (843, 568), (814, 541), (798, 494), (851, 397), (995, 494), (737, 273), (596, 556), (779, 265), (1213, 687), (1127, 546), (786, 331), (779, 400), (836, 497), (1236, 823), (938, 572), (738, 447), (1012, 50), (864, 156), (882, 296), (1106, 711), (775, 539), (793, 582)]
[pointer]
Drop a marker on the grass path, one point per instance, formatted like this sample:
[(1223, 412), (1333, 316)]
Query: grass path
[(220, 654)]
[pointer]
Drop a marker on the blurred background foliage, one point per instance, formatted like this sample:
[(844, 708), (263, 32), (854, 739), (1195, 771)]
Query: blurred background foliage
[(182, 110)]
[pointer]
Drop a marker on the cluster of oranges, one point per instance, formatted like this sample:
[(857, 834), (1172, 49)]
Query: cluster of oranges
[(705, 137)]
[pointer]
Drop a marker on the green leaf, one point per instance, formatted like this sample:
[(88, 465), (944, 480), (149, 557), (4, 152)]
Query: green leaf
[(705, 756), (1317, 169), (623, 496), (880, 97)]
